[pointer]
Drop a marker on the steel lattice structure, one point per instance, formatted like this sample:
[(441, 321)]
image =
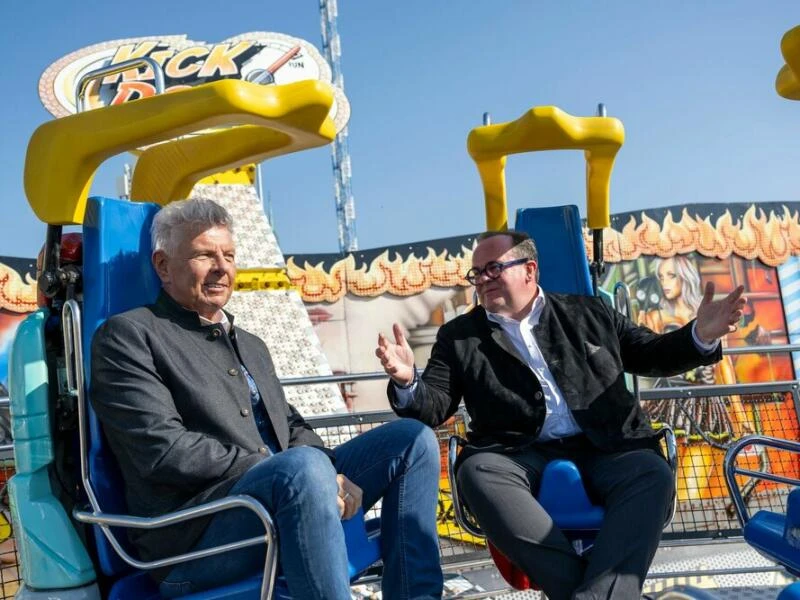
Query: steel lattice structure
[(345, 204)]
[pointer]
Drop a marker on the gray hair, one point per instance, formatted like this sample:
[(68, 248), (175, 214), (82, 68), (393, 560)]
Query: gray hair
[(194, 214), (522, 245)]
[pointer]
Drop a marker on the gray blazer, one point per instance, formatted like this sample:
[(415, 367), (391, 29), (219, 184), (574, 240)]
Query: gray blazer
[(175, 408)]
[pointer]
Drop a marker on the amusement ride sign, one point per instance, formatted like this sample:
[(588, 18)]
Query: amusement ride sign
[(263, 57)]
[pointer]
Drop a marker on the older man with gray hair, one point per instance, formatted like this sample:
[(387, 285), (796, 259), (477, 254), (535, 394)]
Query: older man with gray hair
[(193, 411)]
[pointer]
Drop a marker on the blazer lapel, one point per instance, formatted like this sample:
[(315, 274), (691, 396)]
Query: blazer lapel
[(546, 332), (502, 340)]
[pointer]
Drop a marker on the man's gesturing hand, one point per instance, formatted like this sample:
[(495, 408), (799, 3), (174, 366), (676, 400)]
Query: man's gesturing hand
[(396, 357), (717, 318)]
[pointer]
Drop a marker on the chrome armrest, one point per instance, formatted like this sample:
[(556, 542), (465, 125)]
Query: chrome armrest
[(672, 448), (731, 470), (72, 328), (671, 445), (463, 517), (106, 520)]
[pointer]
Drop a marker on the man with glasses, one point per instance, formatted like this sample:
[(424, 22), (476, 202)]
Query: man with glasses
[(542, 376)]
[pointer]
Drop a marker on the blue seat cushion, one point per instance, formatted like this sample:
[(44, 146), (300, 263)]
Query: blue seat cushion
[(363, 550), (562, 495), (141, 586), (765, 532), (117, 276)]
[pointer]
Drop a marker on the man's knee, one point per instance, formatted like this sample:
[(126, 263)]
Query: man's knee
[(649, 476), (306, 471), (420, 441), (477, 475), (659, 474)]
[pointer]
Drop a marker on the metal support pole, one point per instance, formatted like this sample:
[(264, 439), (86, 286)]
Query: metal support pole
[(345, 203), (597, 268)]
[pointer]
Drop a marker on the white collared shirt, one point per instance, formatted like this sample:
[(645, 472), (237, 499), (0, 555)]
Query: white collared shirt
[(558, 421)]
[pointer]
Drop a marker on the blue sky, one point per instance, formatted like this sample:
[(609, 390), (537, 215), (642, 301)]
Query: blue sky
[(693, 82)]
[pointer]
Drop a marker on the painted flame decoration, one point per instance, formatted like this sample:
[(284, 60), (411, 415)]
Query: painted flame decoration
[(16, 295), (771, 239), (399, 276)]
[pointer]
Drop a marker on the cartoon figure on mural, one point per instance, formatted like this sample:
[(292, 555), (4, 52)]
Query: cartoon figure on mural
[(714, 420)]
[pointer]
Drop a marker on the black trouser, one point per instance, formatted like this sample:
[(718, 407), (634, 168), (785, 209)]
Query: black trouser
[(635, 487)]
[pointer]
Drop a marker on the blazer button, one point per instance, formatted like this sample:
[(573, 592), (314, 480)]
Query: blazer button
[(538, 395), (233, 372), (215, 333), (245, 412), (262, 450)]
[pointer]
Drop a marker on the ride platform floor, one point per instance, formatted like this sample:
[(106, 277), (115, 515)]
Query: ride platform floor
[(720, 570)]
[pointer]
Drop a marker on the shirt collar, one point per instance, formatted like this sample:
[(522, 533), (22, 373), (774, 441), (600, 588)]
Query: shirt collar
[(187, 318), (533, 314), (226, 324)]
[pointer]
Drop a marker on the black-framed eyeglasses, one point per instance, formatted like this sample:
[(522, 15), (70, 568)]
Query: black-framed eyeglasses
[(492, 270)]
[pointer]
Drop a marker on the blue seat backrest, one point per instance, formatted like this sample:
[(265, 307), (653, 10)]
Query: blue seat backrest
[(557, 231), (563, 268), (117, 276)]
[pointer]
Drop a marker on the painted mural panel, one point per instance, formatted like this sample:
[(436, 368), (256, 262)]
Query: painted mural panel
[(17, 299), (671, 255)]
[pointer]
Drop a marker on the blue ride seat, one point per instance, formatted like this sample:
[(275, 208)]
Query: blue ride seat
[(362, 551), (766, 532), (563, 269), (772, 534), (790, 592), (118, 276)]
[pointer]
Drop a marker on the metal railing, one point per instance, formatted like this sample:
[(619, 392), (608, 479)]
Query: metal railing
[(478, 555), (732, 470)]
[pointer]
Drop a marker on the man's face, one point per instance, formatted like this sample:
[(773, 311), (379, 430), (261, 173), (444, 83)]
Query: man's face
[(514, 289), (200, 273)]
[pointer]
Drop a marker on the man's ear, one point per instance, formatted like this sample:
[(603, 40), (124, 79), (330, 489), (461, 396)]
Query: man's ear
[(160, 264), (531, 269)]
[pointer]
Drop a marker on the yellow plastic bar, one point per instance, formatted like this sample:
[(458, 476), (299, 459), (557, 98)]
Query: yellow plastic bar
[(270, 278), (245, 175), (169, 171), (64, 154), (547, 128), (788, 81)]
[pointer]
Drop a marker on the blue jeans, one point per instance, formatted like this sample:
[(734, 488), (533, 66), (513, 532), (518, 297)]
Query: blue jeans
[(398, 462)]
